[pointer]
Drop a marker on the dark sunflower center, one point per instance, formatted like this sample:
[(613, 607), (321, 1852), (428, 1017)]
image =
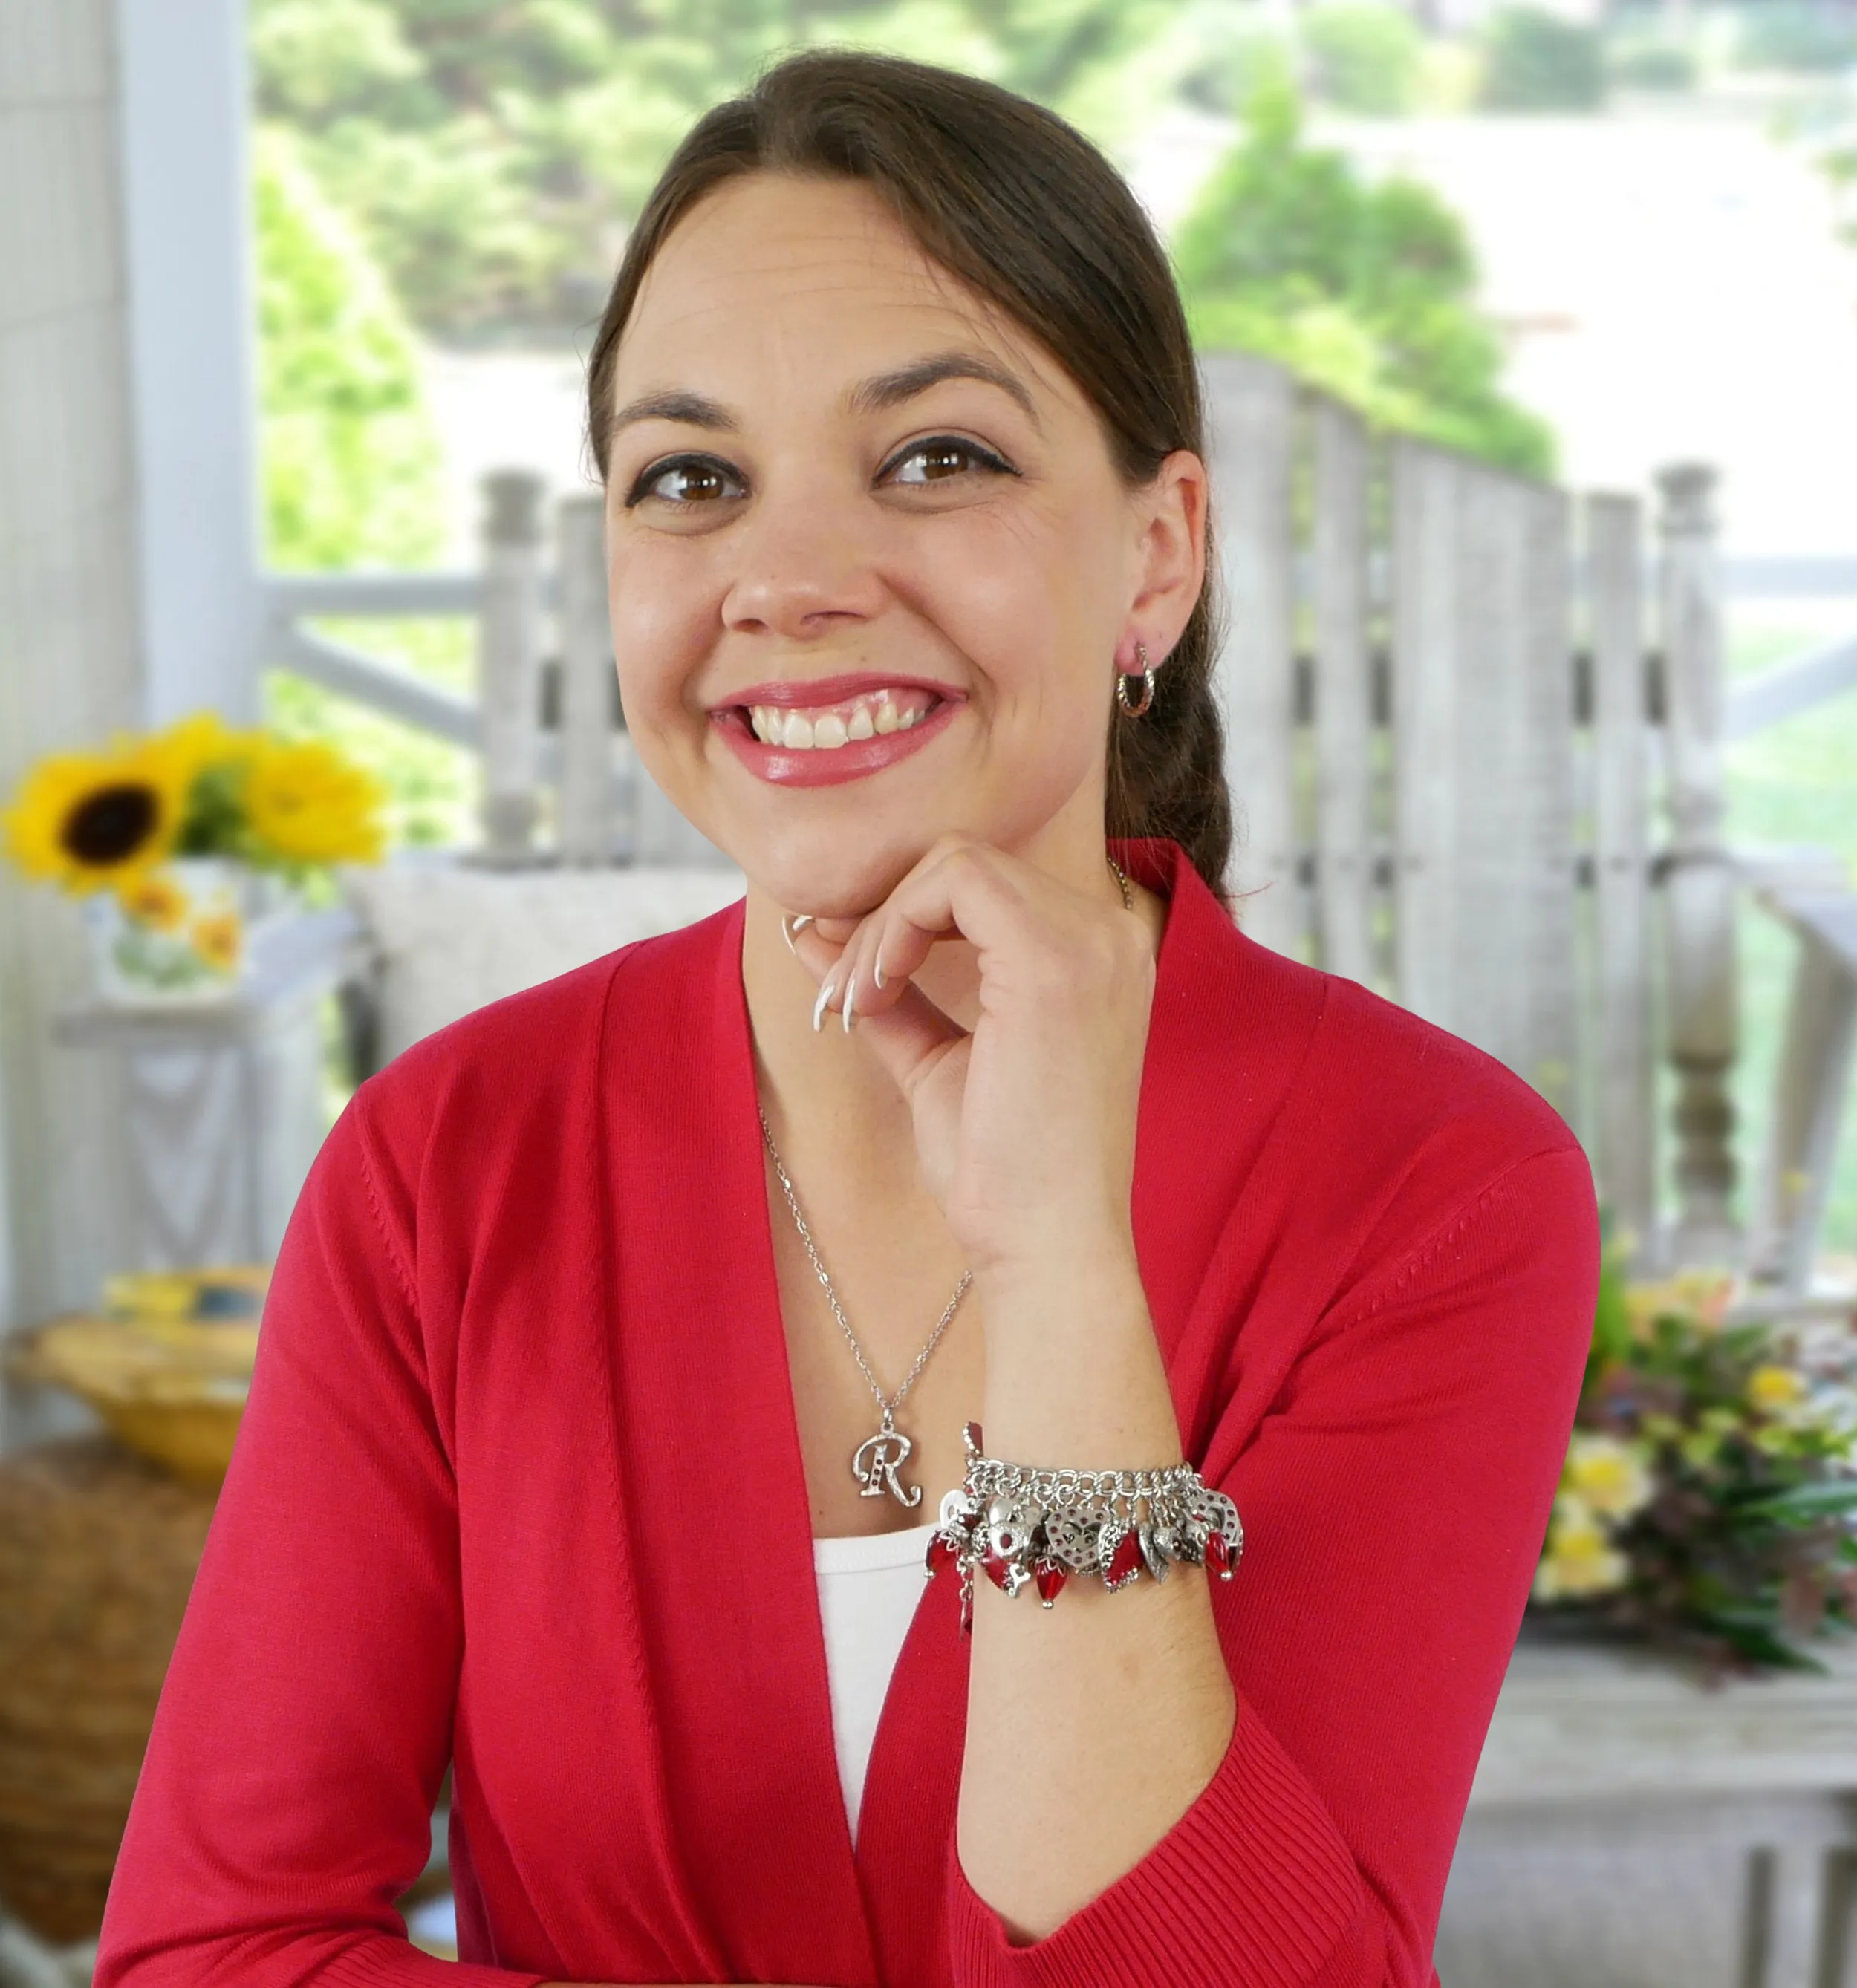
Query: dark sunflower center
[(110, 824)]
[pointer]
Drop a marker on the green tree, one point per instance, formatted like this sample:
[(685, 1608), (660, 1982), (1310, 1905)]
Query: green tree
[(494, 152), (1534, 60), (1365, 290), (1365, 56), (352, 461), (352, 471)]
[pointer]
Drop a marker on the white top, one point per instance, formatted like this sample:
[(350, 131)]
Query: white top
[(868, 1589)]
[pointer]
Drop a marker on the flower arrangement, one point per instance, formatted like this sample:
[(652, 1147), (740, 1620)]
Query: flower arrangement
[(158, 828), (1707, 1499)]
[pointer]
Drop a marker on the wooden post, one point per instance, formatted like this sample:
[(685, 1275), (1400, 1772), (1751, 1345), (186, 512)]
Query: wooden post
[(1425, 639), (583, 805), (1549, 983), (1809, 1091), (1491, 855), (1699, 885), (1344, 781), (1625, 1087), (1252, 407), (509, 664)]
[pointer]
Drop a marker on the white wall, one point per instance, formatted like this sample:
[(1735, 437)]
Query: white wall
[(70, 668)]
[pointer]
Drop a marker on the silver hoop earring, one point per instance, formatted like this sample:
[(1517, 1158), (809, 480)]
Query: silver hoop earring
[(1145, 673)]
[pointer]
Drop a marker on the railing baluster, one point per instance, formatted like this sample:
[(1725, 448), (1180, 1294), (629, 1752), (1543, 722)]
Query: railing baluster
[(509, 664), (1699, 884), (583, 809)]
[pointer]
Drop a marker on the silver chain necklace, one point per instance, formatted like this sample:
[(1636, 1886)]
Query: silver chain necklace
[(879, 1458), (877, 1461)]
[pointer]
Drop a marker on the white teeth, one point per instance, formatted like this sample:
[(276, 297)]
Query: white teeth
[(876, 716)]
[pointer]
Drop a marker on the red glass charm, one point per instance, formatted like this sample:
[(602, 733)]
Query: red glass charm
[(941, 1553), (1050, 1576), (1126, 1560), (1218, 1556), (998, 1570)]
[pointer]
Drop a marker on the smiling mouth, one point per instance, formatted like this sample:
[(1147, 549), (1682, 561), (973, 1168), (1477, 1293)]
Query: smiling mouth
[(827, 727)]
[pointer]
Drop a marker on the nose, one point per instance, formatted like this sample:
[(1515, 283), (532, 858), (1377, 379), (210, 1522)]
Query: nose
[(805, 566)]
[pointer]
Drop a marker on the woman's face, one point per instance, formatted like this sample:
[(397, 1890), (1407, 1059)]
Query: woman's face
[(869, 560)]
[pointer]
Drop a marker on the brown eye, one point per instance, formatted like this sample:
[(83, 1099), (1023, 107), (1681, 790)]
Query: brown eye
[(688, 479), (942, 457)]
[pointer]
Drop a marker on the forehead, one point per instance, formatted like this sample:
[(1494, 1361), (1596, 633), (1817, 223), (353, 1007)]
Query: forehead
[(782, 277)]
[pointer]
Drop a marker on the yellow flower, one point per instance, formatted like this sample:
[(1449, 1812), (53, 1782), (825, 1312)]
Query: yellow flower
[(311, 804), (1580, 1558), (153, 899), (1771, 1387), (1701, 1297), (89, 821), (1607, 1476), (217, 938), (203, 739)]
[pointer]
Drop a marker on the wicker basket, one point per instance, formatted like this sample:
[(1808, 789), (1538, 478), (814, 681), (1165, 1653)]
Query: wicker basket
[(98, 1552)]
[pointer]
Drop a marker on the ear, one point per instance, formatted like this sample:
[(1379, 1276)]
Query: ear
[(1170, 516)]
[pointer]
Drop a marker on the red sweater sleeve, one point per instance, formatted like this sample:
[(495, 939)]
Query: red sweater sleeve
[(1394, 1500), (305, 1724)]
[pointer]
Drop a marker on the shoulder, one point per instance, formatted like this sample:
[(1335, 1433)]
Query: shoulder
[(1340, 1118), (1412, 1145)]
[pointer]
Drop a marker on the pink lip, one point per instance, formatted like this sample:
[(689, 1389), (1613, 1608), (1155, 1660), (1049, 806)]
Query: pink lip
[(800, 692), (827, 766)]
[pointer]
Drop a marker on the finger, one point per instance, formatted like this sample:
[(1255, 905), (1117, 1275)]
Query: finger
[(910, 1037)]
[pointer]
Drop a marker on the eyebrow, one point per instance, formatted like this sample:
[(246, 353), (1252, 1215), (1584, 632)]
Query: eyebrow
[(676, 404), (881, 392), (889, 389)]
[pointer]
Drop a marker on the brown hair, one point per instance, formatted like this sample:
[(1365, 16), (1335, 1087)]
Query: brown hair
[(1027, 213)]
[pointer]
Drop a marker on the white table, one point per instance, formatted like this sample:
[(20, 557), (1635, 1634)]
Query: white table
[(1630, 1828)]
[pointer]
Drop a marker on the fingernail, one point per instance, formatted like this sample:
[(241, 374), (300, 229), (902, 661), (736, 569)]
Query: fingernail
[(790, 926), (851, 994), (877, 972), (825, 995)]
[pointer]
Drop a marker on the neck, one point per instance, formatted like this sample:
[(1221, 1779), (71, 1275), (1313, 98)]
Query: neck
[(822, 1089)]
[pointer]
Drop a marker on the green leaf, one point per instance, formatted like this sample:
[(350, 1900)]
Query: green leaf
[(1804, 1503)]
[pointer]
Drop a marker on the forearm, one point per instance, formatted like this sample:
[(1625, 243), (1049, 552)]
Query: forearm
[(1091, 1727)]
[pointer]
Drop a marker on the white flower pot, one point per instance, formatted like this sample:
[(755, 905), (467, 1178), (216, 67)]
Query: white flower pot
[(189, 942)]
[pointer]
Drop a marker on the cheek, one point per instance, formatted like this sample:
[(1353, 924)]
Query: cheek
[(662, 607), (1036, 602)]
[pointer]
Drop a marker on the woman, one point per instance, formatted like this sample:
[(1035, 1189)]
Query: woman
[(965, 1115)]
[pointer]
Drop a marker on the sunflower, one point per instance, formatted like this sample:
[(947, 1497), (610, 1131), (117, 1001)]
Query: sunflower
[(310, 804), (90, 820)]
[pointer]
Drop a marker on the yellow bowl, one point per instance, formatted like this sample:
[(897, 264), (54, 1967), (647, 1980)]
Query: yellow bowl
[(171, 1391)]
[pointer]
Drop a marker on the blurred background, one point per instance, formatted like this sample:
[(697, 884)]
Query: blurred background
[(1531, 345)]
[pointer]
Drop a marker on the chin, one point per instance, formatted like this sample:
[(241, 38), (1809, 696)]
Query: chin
[(819, 874)]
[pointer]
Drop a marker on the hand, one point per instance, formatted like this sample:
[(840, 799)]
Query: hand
[(1025, 1127)]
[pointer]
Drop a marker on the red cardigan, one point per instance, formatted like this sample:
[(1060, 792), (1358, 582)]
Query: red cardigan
[(523, 1349)]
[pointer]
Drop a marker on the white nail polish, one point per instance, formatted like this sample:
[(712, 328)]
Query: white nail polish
[(877, 972), (787, 934), (851, 994)]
